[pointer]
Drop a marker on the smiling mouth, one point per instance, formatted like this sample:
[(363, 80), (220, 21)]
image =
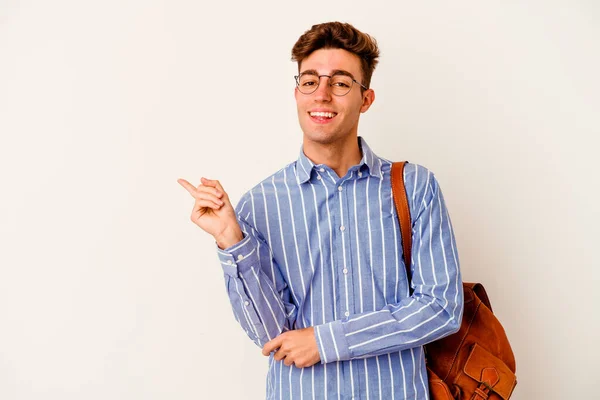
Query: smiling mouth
[(322, 115)]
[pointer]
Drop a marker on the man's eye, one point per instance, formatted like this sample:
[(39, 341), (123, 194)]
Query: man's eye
[(308, 83), (340, 84)]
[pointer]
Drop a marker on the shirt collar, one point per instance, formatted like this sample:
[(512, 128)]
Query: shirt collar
[(304, 165)]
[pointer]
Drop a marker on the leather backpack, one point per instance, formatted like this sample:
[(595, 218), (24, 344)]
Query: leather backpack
[(477, 362)]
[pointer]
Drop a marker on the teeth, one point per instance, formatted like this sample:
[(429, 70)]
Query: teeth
[(322, 114)]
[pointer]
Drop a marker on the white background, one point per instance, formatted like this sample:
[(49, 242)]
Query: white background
[(108, 291)]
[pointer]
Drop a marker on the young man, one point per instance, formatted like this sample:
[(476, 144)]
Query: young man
[(312, 255)]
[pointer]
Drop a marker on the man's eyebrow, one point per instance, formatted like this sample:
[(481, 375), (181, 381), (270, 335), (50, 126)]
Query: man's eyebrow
[(341, 72), (333, 72), (309, 72)]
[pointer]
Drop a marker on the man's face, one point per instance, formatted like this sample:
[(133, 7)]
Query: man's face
[(343, 112)]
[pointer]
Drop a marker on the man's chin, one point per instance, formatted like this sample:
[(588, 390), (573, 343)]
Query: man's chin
[(320, 137)]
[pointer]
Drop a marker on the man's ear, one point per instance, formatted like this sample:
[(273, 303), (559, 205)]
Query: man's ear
[(368, 99)]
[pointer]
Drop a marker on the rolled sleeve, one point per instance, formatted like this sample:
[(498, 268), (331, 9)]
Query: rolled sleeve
[(240, 257), (332, 342)]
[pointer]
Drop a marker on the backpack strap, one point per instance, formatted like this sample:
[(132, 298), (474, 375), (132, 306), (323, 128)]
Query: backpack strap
[(480, 292), (403, 211)]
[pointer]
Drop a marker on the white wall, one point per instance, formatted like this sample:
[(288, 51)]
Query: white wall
[(108, 291)]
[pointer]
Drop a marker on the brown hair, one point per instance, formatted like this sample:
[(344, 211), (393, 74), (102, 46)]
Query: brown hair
[(339, 35)]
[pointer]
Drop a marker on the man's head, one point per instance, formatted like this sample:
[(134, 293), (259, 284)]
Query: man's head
[(338, 35), (335, 65)]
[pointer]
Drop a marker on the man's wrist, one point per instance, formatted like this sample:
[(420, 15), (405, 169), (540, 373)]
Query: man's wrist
[(229, 238)]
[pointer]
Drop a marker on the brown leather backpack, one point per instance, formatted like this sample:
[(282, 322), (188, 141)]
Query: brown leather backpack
[(477, 362)]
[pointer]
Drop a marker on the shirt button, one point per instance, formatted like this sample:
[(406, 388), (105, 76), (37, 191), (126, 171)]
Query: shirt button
[(246, 303), (319, 177), (360, 174), (229, 262), (342, 228), (345, 271), (339, 188), (346, 313), (322, 169), (240, 257)]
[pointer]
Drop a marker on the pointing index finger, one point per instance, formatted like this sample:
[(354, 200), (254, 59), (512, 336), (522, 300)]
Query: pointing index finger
[(187, 186)]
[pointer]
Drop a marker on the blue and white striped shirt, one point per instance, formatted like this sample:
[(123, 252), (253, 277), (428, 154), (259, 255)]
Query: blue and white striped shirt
[(324, 251)]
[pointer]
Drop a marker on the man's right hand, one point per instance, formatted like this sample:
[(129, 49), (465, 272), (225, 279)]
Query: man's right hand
[(213, 212)]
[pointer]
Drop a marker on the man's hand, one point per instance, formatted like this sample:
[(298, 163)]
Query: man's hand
[(213, 212), (297, 347)]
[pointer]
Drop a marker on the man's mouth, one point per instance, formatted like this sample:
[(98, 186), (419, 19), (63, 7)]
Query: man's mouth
[(322, 115)]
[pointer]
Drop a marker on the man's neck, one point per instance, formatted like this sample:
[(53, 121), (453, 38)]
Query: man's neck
[(339, 156)]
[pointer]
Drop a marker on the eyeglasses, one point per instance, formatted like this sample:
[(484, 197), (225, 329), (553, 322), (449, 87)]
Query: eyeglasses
[(340, 85)]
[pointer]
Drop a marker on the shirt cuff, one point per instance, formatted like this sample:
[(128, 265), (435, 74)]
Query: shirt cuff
[(240, 257), (332, 342)]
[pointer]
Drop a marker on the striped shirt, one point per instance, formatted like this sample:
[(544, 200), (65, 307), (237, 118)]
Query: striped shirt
[(325, 251)]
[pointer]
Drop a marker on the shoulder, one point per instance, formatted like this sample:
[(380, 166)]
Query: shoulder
[(416, 176), (411, 170), (421, 186)]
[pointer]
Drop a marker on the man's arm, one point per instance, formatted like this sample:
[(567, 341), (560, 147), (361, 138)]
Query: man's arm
[(259, 296), (434, 309)]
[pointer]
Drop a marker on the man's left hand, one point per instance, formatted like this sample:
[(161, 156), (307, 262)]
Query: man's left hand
[(297, 347)]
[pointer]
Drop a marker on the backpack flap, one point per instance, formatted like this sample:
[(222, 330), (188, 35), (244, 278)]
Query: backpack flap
[(485, 368)]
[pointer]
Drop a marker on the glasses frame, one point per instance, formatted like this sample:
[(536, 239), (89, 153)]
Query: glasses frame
[(297, 79)]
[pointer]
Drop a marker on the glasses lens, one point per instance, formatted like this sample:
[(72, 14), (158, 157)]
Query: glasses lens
[(308, 83), (340, 84)]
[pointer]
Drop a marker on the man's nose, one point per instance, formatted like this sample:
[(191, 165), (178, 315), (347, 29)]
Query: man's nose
[(323, 92)]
